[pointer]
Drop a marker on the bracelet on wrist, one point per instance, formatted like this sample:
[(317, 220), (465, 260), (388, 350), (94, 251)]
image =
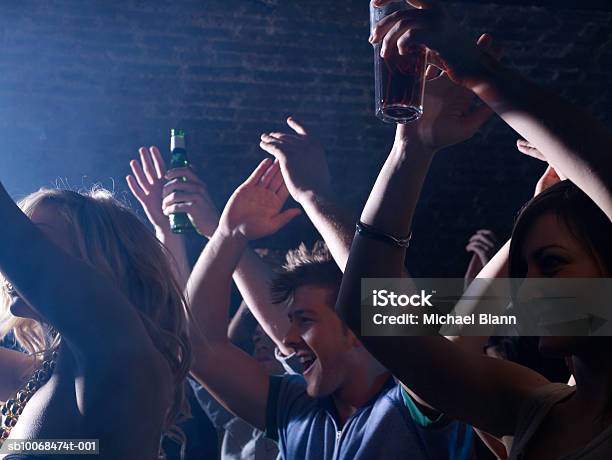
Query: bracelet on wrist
[(367, 231)]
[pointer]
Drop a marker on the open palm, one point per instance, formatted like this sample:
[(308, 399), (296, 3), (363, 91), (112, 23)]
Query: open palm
[(254, 209), (147, 183)]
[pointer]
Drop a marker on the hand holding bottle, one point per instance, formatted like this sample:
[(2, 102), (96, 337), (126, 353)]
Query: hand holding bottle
[(186, 193)]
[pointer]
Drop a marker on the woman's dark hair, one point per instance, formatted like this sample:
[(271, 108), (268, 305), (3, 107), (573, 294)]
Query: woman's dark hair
[(584, 219)]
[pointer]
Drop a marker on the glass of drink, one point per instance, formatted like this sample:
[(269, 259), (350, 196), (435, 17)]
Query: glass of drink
[(399, 80)]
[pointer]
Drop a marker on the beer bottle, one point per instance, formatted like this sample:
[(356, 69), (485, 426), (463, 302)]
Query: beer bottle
[(179, 222)]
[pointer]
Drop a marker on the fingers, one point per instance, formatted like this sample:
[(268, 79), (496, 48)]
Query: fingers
[(483, 239), (258, 173), (399, 34), (140, 176), (278, 136), (482, 244), (285, 217), (408, 18), (488, 234), (272, 146), (277, 181), (283, 192), (478, 247), (179, 197), (480, 250), (135, 188), (147, 164), (184, 206), (158, 162), (297, 127), (271, 178), (184, 186), (525, 147), (269, 175), (188, 173)]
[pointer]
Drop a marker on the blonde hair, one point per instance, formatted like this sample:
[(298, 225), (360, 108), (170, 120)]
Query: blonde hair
[(109, 237)]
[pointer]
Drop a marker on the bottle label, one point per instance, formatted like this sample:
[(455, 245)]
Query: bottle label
[(177, 142)]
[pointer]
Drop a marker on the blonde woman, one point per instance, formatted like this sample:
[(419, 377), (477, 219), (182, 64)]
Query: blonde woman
[(90, 295)]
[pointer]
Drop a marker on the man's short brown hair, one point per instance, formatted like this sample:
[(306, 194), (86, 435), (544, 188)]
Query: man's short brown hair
[(306, 267)]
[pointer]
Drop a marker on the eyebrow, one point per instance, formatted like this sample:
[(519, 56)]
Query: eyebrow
[(539, 251), (300, 312)]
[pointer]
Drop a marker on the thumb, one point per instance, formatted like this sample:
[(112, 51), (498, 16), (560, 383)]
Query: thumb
[(285, 217), (297, 127)]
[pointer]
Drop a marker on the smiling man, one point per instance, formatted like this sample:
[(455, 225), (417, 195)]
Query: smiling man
[(345, 405)]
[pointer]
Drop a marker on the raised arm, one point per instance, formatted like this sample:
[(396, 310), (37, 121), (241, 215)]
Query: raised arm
[(252, 276), (66, 292), (253, 211), (306, 174), (433, 365), (147, 185), (570, 139)]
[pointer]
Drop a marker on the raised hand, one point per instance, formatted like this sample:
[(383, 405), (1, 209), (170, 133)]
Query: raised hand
[(302, 160), (146, 184), (551, 175), (430, 25), (185, 192), (482, 245), (254, 209), (449, 115)]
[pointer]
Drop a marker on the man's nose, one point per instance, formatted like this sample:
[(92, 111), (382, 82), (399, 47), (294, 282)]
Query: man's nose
[(292, 337)]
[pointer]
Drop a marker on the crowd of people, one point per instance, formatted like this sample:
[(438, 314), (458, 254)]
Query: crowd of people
[(113, 329)]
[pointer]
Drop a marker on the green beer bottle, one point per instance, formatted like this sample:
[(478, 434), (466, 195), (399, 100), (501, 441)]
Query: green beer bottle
[(179, 222)]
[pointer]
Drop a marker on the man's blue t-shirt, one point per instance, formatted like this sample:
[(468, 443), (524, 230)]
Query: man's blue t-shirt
[(387, 428)]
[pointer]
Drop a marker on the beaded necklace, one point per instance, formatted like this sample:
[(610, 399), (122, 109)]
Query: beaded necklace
[(12, 409)]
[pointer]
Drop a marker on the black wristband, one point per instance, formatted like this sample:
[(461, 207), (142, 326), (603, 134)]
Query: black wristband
[(368, 231)]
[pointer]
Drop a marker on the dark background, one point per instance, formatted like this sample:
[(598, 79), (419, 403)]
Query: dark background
[(84, 83)]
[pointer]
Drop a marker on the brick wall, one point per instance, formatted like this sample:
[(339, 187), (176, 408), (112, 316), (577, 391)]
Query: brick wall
[(84, 83)]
